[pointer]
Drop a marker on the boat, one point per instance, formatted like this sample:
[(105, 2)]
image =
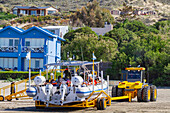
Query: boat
[(63, 92)]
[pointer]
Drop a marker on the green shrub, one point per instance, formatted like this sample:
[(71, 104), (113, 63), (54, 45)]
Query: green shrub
[(18, 75)]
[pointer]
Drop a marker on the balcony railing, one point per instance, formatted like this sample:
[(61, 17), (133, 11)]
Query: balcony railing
[(33, 49), (8, 49)]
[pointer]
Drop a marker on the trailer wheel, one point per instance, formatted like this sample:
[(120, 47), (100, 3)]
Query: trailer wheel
[(139, 95), (1, 98), (114, 89), (9, 98), (103, 104), (146, 94), (38, 107), (98, 104), (153, 93)]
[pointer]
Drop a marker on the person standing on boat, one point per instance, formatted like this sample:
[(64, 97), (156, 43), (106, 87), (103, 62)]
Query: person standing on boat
[(67, 74)]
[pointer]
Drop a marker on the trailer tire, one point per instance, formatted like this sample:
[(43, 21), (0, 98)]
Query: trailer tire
[(103, 104), (114, 90), (9, 98), (98, 104), (153, 93), (146, 94), (1, 98), (139, 95), (38, 107)]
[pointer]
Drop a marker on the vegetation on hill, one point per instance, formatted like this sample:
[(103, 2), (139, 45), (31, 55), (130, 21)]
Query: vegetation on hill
[(129, 43), (92, 15), (6, 16)]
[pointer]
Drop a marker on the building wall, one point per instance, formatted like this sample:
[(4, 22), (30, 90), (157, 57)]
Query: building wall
[(37, 38), (100, 31), (8, 62), (33, 63)]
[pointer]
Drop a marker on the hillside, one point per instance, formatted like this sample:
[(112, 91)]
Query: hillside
[(163, 6)]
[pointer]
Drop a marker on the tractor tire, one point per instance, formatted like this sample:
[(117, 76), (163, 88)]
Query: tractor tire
[(98, 104), (139, 95), (114, 90), (146, 94), (153, 93), (1, 98), (119, 92), (103, 104)]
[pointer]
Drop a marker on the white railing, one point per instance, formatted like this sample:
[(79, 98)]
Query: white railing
[(8, 48), (34, 49)]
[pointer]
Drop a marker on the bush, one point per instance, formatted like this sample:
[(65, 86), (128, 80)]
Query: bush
[(9, 75)]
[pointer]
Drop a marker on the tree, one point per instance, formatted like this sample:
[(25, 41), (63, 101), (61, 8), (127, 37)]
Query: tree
[(84, 44), (121, 35), (72, 34), (92, 15)]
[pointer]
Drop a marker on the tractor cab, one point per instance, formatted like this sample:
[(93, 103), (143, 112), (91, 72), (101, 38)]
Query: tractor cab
[(133, 74)]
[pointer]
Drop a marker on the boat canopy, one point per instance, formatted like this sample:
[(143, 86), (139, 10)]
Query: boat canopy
[(72, 63)]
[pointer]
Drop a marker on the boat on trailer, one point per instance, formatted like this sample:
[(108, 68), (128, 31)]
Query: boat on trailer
[(76, 90)]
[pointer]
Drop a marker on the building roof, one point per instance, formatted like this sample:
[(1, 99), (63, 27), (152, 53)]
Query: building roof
[(21, 31), (54, 27), (31, 7), (13, 28)]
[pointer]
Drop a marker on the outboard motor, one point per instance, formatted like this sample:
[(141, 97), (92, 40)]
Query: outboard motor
[(48, 90), (63, 90), (77, 80), (39, 80), (31, 92)]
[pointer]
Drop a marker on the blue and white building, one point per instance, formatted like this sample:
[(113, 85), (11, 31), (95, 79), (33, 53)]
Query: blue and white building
[(15, 43)]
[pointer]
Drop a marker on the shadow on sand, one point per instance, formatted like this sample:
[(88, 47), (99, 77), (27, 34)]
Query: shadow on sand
[(51, 109)]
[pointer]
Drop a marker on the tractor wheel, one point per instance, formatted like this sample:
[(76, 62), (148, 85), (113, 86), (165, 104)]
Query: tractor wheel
[(1, 98), (153, 93), (139, 95), (103, 104), (146, 94), (98, 104), (119, 92), (114, 89)]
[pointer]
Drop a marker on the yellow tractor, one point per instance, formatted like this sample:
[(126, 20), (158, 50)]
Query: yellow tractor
[(133, 84)]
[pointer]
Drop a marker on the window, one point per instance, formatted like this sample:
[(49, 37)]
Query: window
[(15, 11), (10, 42), (16, 43), (33, 12), (23, 12), (37, 63), (42, 12), (27, 43), (50, 12)]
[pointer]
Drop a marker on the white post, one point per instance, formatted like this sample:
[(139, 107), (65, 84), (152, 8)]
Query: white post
[(108, 84), (93, 79), (29, 78), (40, 72), (102, 79), (84, 74), (47, 74)]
